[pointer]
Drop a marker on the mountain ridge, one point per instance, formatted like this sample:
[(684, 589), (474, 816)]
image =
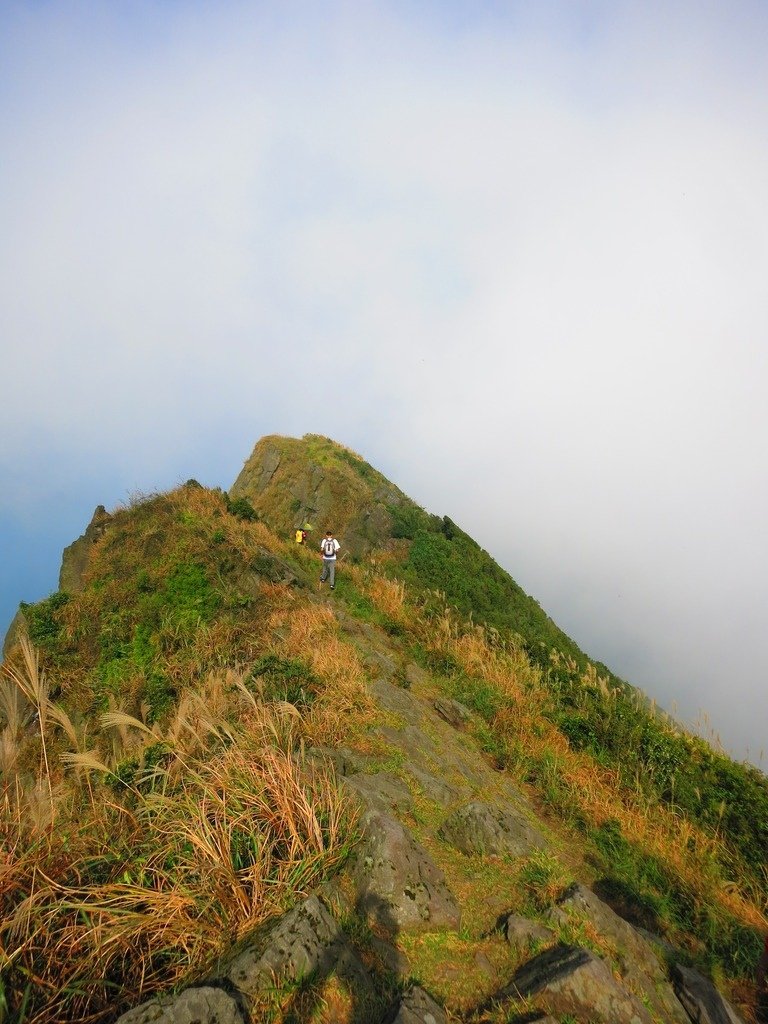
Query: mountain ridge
[(193, 646)]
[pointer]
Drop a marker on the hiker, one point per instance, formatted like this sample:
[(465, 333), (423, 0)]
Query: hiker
[(328, 549), (301, 536)]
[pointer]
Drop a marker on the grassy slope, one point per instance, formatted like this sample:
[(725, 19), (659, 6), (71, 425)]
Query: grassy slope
[(609, 720), (183, 622)]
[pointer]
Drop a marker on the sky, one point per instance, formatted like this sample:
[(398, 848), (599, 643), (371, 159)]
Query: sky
[(513, 253)]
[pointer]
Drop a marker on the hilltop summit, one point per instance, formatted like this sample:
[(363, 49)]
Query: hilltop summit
[(291, 481)]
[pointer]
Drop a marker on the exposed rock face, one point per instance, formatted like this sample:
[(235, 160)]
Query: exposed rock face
[(639, 965), (453, 711), (478, 828), (290, 481), (418, 1007), (573, 980), (204, 1005), (381, 792), (702, 1001), (398, 884), (17, 628), (74, 560), (519, 931), (307, 940)]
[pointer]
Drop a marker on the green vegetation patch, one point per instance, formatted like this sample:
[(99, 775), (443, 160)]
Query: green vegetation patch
[(189, 594), (287, 679), (43, 621)]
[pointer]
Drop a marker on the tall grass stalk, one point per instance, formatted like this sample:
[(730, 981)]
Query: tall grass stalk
[(32, 682)]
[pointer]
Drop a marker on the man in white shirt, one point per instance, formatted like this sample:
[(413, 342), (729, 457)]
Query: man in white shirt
[(328, 548)]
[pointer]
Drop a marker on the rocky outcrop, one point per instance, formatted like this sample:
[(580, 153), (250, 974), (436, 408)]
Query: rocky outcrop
[(205, 1005), (398, 884), (637, 962), (480, 829), (16, 630), (702, 1002), (381, 792), (418, 1007), (394, 886), (74, 560), (306, 941), (567, 979), (290, 481)]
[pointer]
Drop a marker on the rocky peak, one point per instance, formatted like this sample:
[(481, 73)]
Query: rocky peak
[(292, 481)]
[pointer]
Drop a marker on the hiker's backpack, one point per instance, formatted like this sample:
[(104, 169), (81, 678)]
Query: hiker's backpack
[(329, 548), (299, 536)]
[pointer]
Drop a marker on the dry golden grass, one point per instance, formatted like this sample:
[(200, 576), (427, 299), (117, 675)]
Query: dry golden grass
[(217, 845), (597, 790), (229, 827), (389, 597), (310, 632)]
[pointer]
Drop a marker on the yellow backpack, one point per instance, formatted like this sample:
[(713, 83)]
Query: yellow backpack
[(299, 536)]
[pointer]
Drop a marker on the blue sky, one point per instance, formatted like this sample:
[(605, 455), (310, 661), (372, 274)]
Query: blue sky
[(514, 254)]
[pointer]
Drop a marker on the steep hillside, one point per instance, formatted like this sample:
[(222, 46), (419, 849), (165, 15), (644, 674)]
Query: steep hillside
[(411, 797), (291, 481)]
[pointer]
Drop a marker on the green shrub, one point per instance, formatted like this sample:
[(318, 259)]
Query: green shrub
[(285, 679), (42, 619), (189, 595), (242, 509)]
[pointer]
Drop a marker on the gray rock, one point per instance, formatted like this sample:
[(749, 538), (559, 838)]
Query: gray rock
[(381, 792), (568, 979), (702, 1001), (391, 957), (205, 1005), (412, 741), (398, 884), (418, 1007), (335, 897), (414, 674), (639, 964), (434, 788), (453, 712), (398, 701), (478, 828), (379, 663), (16, 630), (74, 560), (344, 760), (304, 941), (520, 931)]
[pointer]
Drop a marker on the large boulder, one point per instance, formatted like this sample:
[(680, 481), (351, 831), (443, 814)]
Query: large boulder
[(478, 828), (307, 940), (638, 962), (568, 979), (204, 1005), (702, 1001)]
